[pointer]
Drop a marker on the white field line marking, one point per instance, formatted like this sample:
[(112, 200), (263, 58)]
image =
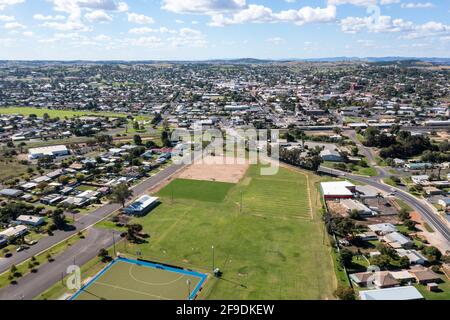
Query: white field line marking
[(130, 273), (131, 290)]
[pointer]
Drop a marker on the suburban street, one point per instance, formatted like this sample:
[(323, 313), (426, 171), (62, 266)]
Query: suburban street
[(33, 284), (86, 221), (418, 205), (48, 274)]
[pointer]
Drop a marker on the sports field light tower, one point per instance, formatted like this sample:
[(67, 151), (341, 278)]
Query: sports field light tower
[(213, 265), (188, 282)]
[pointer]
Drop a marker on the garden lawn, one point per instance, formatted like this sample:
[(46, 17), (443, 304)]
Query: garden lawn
[(273, 249)]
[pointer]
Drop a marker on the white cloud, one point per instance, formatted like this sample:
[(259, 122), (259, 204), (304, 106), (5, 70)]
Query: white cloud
[(141, 30), (42, 17), (98, 16), (14, 26), (7, 3), (148, 42), (362, 3), (74, 7), (388, 24), (140, 18), (102, 37), (144, 30), (275, 40), (65, 26), (417, 5), (203, 6), (187, 37), (260, 14), (4, 18)]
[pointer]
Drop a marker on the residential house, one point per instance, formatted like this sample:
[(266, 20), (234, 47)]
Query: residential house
[(14, 232), (331, 155), (424, 276), (382, 228), (414, 256), (11, 193), (30, 220), (398, 240)]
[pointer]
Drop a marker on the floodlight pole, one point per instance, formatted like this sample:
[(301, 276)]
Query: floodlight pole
[(188, 282), (240, 207), (114, 244), (213, 264)]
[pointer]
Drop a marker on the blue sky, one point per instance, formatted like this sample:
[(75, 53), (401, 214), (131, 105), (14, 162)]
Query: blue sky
[(206, 29)]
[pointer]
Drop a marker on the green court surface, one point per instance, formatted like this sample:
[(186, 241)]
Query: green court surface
[(127, 279)]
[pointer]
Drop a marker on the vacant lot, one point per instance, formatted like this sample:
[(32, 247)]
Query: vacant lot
[(269, 250), (215, 169), (11, 169)]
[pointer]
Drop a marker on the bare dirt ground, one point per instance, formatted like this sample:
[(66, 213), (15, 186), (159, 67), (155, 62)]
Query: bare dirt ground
[(442, 136), (434, 238), (221, 169), (336, 208)]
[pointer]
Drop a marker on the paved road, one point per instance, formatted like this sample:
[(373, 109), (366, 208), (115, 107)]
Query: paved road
[(369, 154), (48, 274), (418, 205), (86, 221), (87, 250)]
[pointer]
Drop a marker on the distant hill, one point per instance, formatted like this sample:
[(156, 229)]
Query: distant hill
[(243, 61)]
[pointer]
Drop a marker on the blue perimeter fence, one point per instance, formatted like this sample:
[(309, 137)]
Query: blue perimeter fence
[(150, 265)]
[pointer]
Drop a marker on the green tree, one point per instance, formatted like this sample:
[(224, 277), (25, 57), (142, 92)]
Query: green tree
[(345, 293), (137, 140), (165, 139), (432, 253), (345, 258), (121, 193)]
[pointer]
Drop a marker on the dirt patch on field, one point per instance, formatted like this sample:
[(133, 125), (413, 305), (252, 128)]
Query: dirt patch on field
[(221, 169), (434, 238)]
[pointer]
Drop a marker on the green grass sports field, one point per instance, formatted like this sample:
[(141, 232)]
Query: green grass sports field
[(274, 248), (196, 190), (39, 112)]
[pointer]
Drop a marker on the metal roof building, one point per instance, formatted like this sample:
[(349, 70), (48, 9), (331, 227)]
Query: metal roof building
[(142, 206), (396, 293), (337, 189), (52, 151)]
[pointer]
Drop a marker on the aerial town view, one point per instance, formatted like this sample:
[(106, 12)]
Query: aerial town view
[(209, 150)]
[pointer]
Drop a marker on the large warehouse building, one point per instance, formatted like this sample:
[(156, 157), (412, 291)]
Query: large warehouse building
[(338, 190), (142, 206), (52, 151)]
